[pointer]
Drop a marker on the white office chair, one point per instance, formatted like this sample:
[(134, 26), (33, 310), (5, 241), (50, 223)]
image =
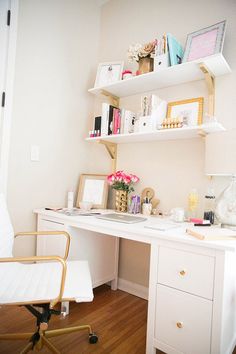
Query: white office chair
[(39, 283)]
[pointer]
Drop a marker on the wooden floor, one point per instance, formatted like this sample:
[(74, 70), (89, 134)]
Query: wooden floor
[(118, 318)]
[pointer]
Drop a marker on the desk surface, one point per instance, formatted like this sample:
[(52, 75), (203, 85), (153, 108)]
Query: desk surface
[(139, 232)]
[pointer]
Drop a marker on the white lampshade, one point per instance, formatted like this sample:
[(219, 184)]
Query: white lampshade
[(220, 153)]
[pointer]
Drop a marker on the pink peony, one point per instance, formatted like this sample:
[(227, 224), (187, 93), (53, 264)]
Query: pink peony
[(121, 180)]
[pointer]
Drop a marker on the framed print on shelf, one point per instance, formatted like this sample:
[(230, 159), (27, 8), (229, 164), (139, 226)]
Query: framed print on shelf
[(94, 189), (108, 73), (191, 111), (205, 42)]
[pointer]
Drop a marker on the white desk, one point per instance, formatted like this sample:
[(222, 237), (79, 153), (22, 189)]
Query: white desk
[(192, 297)]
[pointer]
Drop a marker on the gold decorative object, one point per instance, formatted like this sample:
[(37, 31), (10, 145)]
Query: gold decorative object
[(179, 324), (170, 123), (121, 200), (145, 65), (182, 273)]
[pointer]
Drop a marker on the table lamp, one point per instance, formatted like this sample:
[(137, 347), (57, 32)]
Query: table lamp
[(220, 160)]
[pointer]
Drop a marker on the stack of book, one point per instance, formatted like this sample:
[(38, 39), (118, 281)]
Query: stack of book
[(114, 121)]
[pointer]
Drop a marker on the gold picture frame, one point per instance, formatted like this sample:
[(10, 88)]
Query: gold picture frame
[(191, 110), (93, 188)]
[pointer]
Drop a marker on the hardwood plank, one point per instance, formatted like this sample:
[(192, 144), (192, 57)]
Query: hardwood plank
[(118, 318)]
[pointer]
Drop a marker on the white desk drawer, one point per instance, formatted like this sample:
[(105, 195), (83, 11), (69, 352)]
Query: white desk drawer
[(50, 245), (183, 321), (190, 272)]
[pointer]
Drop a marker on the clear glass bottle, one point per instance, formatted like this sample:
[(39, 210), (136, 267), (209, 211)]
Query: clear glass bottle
[(209, 206), (193, 200)]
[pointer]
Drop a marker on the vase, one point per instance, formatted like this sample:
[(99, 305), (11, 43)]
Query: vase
[(121, 200), (145, 65)]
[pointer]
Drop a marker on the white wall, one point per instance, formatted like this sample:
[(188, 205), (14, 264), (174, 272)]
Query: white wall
[(56, 62), (171, 168), (55, 65)]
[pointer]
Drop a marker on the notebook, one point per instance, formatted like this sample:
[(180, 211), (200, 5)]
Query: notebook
[(127, 219), (162, 226)]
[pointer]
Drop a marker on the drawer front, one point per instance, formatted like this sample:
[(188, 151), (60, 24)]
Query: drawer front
[(183, 321), (190, 272)]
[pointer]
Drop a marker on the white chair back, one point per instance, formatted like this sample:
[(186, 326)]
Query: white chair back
[(6, 230)]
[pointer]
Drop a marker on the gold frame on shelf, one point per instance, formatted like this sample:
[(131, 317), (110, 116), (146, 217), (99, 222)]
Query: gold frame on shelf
[(199, 112), (93, 188)]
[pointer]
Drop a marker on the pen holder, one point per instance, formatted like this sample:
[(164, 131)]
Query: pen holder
[(147, 208)]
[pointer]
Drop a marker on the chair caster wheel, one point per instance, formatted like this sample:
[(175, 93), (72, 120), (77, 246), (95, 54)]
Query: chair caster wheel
[(93, 338)]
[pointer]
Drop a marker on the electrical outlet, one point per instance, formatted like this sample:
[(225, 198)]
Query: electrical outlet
[(34, 153)]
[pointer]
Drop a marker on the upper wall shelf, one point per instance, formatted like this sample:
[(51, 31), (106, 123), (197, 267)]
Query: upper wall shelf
[(171, 76)]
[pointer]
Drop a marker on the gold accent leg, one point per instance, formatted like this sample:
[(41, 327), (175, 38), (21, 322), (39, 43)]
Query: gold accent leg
[(28, 348), (58, 332), (50, 346)]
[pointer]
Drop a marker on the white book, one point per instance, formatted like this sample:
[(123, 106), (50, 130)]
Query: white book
[(105, 119), (128, 122)]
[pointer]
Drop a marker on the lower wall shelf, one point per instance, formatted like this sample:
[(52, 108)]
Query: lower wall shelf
[(165, 134)]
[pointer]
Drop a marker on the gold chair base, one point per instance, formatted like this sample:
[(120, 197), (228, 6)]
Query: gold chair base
[(44, 335)]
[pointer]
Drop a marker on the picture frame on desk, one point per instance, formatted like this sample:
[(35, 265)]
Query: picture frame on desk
[(93, 188), (205, 42), (108, 73), (190, 111)]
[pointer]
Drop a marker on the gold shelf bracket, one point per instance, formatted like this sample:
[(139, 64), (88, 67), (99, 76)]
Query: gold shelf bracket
[(114, 100), (112, 150), (210, 82)]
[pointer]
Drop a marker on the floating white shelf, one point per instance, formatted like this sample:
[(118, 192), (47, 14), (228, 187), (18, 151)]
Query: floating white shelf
[(171, 76), (164, 134)]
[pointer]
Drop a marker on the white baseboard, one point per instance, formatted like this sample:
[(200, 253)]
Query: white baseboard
[(133, 288)]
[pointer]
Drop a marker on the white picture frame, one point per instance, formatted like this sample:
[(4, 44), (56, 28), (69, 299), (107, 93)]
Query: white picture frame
[(108, 73), (93, 188), (205, 42)]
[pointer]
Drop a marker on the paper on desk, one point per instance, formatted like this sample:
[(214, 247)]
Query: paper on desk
[(162, 226)]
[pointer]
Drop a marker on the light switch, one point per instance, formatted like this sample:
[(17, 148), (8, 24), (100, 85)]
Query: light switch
[(34, 153)]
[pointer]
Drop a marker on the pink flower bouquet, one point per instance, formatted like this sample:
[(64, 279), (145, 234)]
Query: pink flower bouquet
[(122, 181)]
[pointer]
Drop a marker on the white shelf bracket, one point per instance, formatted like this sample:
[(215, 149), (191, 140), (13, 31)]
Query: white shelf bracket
[(112, 150), (114, 100), (210, 82)]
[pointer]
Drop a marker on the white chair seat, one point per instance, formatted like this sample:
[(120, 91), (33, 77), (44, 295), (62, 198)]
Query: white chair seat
[(32, 283)]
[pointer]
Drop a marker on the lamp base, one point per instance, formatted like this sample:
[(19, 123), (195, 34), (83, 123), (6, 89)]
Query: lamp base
[(226, 206)]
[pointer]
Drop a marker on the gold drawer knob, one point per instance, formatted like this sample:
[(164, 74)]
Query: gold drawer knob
[(182, 273), (179, 324)]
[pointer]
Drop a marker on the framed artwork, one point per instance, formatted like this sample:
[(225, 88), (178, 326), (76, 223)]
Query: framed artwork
[(94, 189), (205, 42), (108, 73), (190, 111)]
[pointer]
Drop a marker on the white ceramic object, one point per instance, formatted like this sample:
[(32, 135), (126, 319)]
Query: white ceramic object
[(86, 206)]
